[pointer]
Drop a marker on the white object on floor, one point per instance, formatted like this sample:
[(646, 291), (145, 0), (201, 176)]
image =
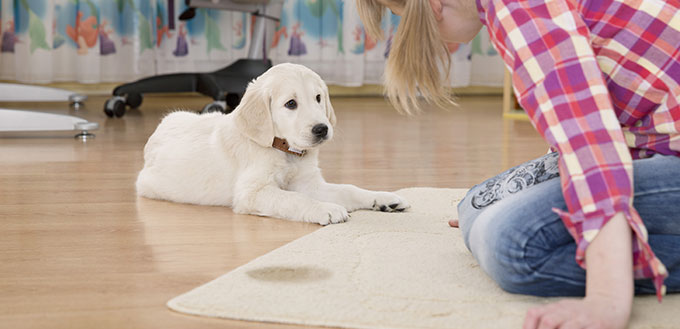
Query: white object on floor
[(11, 92), (382, 270), (15, 120)]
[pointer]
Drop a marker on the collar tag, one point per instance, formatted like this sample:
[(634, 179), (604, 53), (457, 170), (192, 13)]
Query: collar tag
[(282, 145)]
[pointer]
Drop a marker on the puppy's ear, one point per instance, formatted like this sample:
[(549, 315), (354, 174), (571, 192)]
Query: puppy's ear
[(330, 112), (253, 116)]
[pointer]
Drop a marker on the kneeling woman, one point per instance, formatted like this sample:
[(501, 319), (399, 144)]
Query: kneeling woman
[(600, 81)]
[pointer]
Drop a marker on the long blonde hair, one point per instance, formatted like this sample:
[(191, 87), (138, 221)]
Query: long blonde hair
[(419, 60)]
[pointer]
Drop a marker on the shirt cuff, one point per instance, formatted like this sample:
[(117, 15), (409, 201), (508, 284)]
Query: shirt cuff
[(584, 227)]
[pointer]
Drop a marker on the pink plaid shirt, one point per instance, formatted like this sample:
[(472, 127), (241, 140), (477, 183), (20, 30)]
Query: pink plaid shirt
[(600, 80)]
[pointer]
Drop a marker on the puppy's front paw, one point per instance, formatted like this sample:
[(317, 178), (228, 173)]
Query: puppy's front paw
[(326, 213), (389, 202)]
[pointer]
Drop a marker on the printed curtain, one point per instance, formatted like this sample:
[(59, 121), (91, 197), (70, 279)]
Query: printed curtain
[(91, 41)]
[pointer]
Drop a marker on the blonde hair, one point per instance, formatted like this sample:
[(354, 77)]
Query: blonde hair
[(418, 62)]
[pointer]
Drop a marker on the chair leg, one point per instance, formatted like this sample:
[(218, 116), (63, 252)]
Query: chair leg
[(511, 108), (507, 93)]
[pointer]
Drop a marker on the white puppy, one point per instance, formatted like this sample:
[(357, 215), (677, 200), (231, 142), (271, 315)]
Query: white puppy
[(261, 159)]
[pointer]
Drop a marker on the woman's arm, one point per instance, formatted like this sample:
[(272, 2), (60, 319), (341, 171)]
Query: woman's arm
[(609, 286), (610, 264)]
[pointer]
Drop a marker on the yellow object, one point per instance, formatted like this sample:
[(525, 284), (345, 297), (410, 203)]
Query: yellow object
[(510, 109)]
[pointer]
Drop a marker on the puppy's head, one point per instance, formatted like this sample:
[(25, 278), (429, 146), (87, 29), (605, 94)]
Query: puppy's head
[(288, 101)]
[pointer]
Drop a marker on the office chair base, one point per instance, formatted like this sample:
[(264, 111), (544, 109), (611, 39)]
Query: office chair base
[(226, 86)]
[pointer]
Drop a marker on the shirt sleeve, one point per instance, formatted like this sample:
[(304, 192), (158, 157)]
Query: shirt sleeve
[(558, 82)]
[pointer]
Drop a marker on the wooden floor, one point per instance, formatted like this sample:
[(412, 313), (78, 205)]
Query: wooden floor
[(78, 249)]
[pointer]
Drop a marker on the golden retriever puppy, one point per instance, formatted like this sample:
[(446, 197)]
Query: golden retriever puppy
[(261, 159)]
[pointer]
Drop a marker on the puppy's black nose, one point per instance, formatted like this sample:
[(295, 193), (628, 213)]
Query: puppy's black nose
[(320, 130)]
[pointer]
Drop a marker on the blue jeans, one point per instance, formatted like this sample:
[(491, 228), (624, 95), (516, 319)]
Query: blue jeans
[(509, 227)]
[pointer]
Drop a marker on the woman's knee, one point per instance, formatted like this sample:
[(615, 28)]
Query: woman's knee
[(498, 245), (526, 261), (657, 193), (467, 215), (519, 240)]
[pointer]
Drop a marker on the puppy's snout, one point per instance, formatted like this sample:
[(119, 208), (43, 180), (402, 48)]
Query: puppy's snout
[(320, 130)]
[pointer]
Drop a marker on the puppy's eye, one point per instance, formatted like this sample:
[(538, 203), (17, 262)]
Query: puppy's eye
[(291, 104), (318, 98)]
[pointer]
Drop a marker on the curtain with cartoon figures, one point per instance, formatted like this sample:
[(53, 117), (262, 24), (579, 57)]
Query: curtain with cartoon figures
[(92, 41)]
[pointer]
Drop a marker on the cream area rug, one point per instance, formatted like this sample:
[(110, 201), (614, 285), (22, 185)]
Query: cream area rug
[(382, 270)]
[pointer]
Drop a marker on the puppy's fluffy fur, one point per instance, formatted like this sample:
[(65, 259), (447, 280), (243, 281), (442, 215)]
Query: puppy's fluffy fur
[(228, 160)]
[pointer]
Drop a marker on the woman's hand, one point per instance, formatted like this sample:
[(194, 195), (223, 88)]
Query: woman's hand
[(453, 223), (596, 312), (609, 286)]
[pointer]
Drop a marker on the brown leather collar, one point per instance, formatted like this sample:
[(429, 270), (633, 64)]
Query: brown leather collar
[(282, 144)]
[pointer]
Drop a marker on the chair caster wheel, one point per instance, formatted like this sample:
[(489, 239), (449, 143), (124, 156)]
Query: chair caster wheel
[(233, 99), (133, 100), (115, 106), (216, 106)]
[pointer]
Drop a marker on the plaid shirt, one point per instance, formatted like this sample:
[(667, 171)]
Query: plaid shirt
[(600, 80)]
